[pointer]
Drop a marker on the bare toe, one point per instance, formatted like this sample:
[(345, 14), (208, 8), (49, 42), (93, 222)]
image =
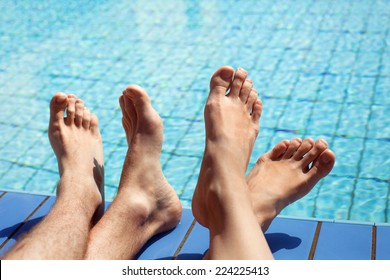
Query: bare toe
[(305, 147), (94, 124), (292, 148), (129, 117), (138, 96), (221, 80), (125, 118), (251, 100), (245, 91), (257, 110), (70, 110), (319, 146), (323, 164), (277, 152), (57, 107), (86, 118), (150, 121), (79, 113), (238, 81)]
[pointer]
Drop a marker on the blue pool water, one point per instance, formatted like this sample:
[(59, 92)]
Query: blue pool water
[(322, 69)]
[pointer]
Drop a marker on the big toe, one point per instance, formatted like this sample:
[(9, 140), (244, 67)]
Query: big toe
[(138, 96), (323, 164), (57, 107), (221, 80), (147, 118)]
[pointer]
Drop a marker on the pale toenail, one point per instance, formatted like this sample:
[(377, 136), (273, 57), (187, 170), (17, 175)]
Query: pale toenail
[(239, 69), (297, 140), (310, 140), (322, 144)]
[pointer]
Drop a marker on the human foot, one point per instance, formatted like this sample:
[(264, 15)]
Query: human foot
[(63, 233), (221, 200), (142, 182), (285, 174), (145, 204), (77, 143), (232, 125)]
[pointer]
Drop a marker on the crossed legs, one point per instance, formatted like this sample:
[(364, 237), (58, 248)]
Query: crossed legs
[(237, 210), (226, 202)]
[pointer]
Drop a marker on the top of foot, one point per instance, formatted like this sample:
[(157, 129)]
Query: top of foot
[(232, 114)]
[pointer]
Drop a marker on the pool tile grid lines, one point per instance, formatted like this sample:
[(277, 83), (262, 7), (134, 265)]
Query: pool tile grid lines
[(330, 57), (289, 238)]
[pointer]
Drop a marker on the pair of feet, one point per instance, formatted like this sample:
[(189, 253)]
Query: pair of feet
[(279, 177), (283, 175)]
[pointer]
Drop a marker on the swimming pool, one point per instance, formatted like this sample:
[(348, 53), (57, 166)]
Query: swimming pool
[(322, 69)]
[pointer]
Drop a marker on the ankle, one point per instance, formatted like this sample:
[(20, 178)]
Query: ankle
[(147, 212), (134, 206), (78, 190)]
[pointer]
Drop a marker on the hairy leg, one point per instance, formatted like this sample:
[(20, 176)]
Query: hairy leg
[(146, 204), (76, 141)]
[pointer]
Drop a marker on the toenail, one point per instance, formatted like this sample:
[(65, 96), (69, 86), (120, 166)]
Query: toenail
[(226, 76), (310, 140), (325, 159), (323, 142), (242, 70)]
